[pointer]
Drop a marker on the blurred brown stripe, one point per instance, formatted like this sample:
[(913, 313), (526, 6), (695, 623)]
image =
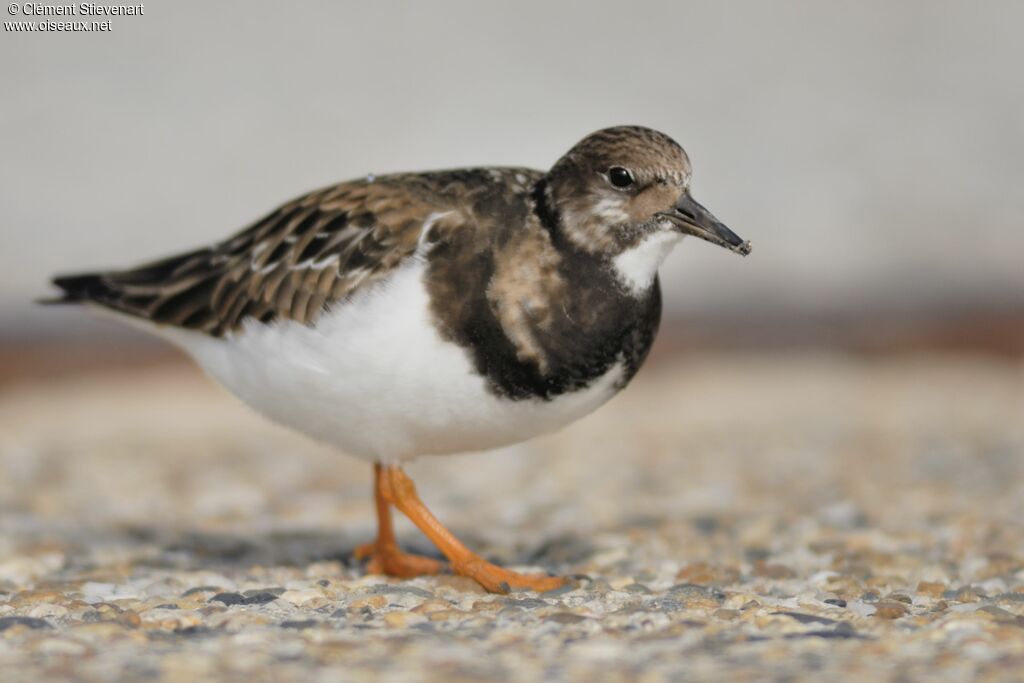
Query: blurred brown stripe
[(54, 359), (1001, 334), (994, 333)]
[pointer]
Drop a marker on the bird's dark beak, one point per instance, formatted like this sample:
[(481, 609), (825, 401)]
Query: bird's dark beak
[(693, 219)]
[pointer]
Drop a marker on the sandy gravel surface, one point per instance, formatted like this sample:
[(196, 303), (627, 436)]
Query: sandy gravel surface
[(728, 518)]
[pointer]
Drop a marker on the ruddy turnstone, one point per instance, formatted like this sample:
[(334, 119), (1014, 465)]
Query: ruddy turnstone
[(432, 313)]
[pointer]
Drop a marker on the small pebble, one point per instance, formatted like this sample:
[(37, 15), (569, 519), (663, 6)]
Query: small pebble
[(27, 622), (256, 598), (889, 609)]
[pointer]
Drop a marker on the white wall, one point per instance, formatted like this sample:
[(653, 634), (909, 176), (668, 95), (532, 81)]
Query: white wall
[(872, 151)]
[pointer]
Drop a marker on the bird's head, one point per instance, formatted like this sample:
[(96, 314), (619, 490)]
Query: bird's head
[(624, 193)]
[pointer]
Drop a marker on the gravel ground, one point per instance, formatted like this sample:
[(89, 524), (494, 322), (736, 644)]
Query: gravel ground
[(727, 518)]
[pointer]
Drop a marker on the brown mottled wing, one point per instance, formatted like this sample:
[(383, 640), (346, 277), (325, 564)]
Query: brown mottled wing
[(317, 249)]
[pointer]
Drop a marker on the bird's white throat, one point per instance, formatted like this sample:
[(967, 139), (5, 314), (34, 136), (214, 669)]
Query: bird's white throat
[(637, 266)]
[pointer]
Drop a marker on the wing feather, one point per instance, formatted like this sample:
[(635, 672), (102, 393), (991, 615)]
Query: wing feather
[(291, 264)]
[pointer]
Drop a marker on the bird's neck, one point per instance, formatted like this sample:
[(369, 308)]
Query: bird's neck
[(636, 267), (547, 213)]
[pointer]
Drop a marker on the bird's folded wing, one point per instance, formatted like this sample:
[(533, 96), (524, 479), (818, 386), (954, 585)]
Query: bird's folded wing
[(311, 252)]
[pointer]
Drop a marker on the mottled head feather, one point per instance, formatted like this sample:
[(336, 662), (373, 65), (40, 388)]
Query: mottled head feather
[(600, 218), (648, 152)]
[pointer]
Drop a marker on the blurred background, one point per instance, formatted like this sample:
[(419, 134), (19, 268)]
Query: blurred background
[(872, 152)]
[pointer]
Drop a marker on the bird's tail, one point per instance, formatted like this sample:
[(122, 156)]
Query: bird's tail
[(136, 291), (76, 289)]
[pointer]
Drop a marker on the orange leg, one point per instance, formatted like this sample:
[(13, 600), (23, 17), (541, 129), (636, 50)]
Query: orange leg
[(384, 553), (397, 488)]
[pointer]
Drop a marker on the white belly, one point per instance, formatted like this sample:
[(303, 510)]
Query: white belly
[(375, 379)]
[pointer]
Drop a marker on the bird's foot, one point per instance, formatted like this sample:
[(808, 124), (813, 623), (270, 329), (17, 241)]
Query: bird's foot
[(388, 559), (495, 579)]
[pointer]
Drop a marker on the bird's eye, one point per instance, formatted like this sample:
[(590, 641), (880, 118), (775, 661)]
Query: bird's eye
[(620, 177)]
